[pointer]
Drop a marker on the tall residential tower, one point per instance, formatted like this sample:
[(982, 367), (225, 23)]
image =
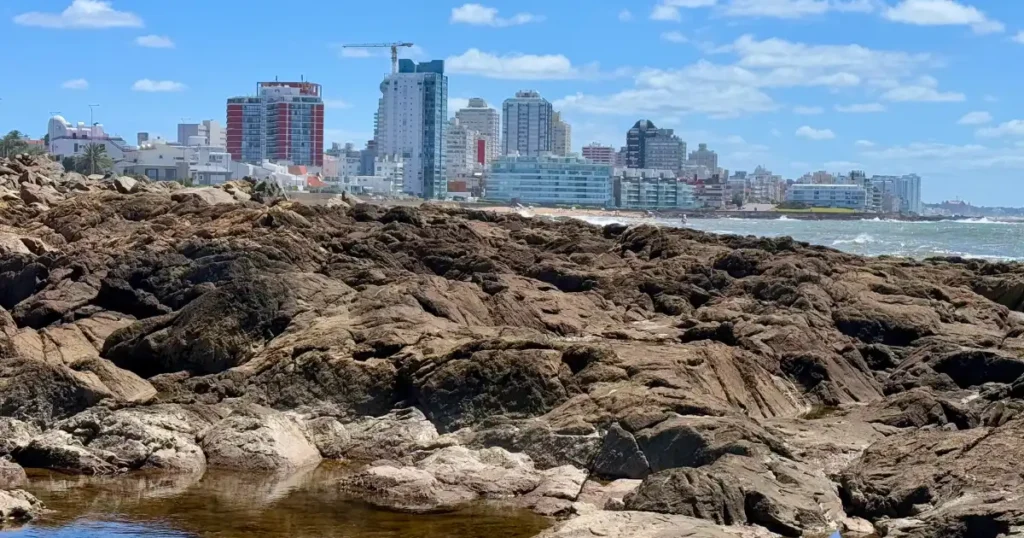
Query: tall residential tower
[(486, 121), (411, 122), (283, 122), (527, 129)]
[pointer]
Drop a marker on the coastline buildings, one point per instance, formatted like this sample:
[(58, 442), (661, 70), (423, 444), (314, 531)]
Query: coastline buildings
[(411, 122), (702, 156), (640, 189), (486, 121), (561, 132), (465, 150), (69, 140), (527, 128), (551, 180), (209, 131), (599, 154), (283, 122), (651, 148), (835, 196)]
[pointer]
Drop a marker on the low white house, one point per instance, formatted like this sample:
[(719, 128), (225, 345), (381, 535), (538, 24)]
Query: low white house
[(70, 140)]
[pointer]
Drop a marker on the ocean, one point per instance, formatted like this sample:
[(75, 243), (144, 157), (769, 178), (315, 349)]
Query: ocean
[(969, 238)]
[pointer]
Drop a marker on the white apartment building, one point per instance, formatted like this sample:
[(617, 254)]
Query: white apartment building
[(69, 140), (211, 132), (391, 167), (461, 149), (561, 132), (486, 121), (411, 122), (528, 127), (161, 161)]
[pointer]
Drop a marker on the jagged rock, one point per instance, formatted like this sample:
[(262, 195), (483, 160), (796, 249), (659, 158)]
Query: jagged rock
[(647, 525), (620, 456), (254, 438), (11, 475), (15, 434), (125, 184), (406, 489), (18, 507), (779, 495), (61, 451)]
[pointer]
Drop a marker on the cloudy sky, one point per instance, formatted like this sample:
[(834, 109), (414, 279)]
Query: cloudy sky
[(889, 86)]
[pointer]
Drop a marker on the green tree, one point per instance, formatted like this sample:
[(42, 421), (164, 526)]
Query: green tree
[(737, 200), (70, 165), (12, 144), (94, 160)]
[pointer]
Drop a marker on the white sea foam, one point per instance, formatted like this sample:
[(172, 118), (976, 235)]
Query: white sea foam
[(861, 239)]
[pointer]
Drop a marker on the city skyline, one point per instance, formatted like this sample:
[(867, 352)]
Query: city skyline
[(898, 90)]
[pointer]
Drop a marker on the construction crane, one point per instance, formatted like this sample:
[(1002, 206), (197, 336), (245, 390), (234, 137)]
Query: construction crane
[(394, 51)]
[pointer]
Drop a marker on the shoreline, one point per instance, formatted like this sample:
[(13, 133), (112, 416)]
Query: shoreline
[(753, 215)]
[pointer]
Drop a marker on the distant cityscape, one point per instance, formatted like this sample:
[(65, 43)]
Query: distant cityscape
[(520, 155)]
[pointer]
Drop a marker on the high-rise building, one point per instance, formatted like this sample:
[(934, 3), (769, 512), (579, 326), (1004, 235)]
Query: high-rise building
[(622, 157), (597, 153), (283, 122), (527, 129), (654, 149), (561, 132), (411, 122), (702, 156), (210, 131), (486, 121), (462, 154)]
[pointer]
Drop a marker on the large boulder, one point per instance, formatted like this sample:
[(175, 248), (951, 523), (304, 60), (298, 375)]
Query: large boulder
[(18, 507), (219, 330), (647, 525), (11, 475), (61, 451), (693, 441), (254, 438), (779, 495), (156, 438)]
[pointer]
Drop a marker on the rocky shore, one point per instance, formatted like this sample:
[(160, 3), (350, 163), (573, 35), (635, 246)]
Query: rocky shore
[(625, 381)]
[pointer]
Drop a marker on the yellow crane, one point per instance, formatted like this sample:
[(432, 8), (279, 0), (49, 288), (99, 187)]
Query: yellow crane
[(394, 51)]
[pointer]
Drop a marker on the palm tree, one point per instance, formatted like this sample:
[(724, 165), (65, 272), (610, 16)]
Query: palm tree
[(94, 160)]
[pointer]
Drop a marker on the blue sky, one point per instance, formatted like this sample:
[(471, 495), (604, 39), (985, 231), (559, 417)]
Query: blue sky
[(889, 86)]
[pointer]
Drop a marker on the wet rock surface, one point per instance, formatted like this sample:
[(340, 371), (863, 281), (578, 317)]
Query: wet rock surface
[(739, 386)]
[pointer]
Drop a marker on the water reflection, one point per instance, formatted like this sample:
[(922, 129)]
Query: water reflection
[(227, 505)]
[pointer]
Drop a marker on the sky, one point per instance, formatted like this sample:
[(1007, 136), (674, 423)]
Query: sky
[(933, 87)]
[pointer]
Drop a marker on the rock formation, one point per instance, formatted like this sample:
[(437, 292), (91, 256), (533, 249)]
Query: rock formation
[(729, 386)]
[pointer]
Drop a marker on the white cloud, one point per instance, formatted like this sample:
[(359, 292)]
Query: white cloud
[(808, 110), (625, 15), (794, 9), (861, 108), (811, 133), (337, 104), (1010, 128), (864, 144), (674, 37), (516, 66), (480, 15), (842, 165), (942, 13), (975, 118), (93, 14), (990, 99), (155, 42), (776, 132), (926, 156), (1019, 38), (922, 94), (147, 85), (826, 65), (76, 84), (668, 10)]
